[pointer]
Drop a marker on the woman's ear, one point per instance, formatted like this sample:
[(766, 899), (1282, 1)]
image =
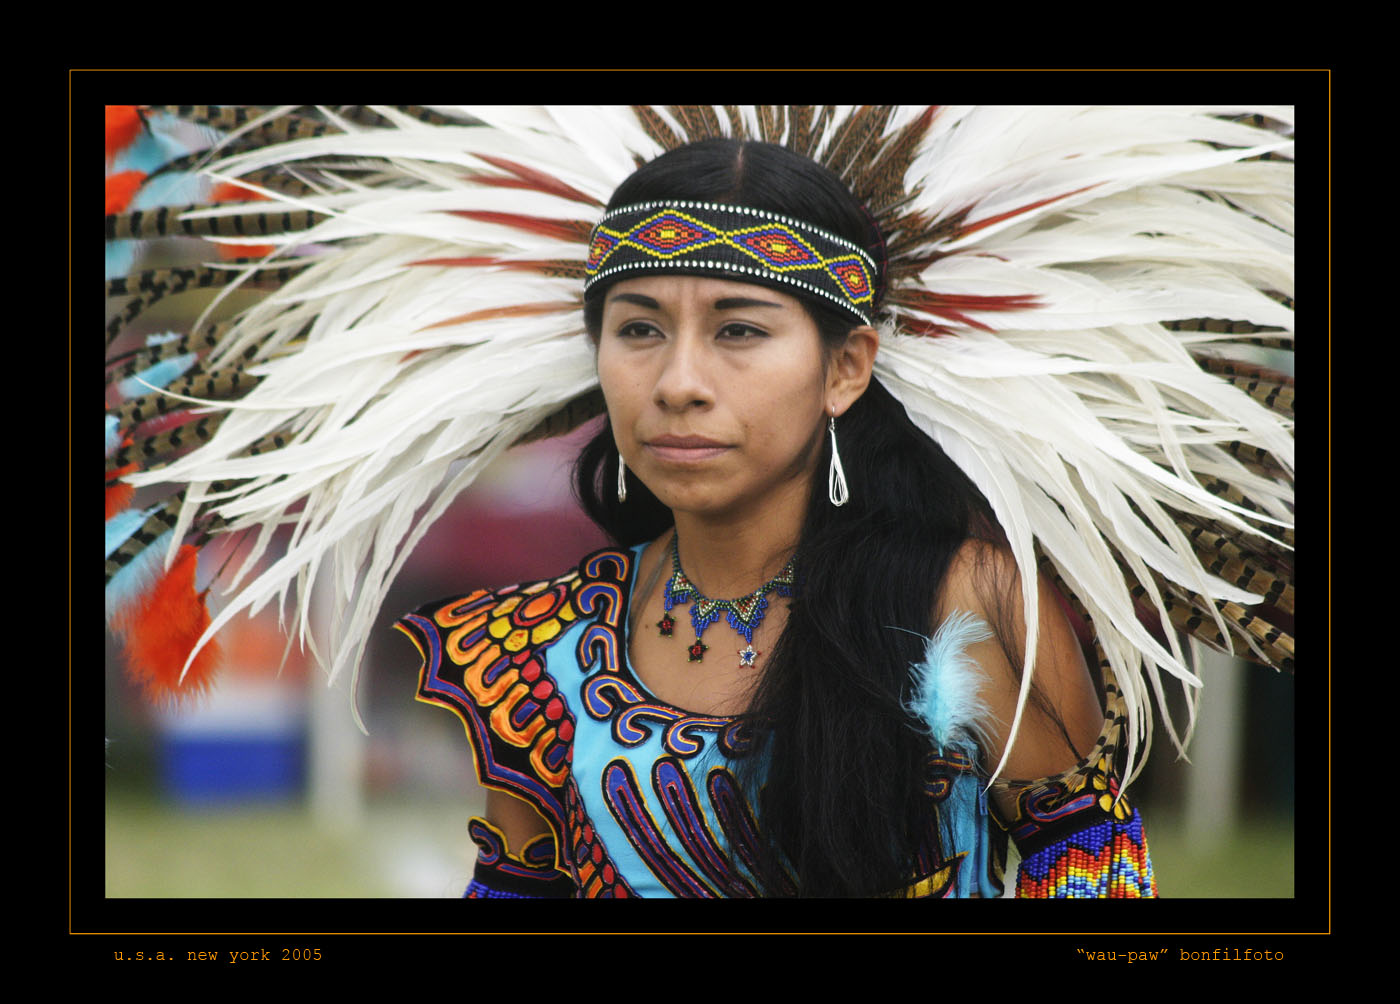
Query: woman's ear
[(851, 368)]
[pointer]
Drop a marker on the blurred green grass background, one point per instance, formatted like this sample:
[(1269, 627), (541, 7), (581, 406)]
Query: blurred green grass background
[(405, 849)]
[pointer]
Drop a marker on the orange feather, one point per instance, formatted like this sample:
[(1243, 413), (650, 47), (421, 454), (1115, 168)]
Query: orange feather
[(123, 126), (163, 630), (121, 188), (232, 191), (119, 494), (118, 497)]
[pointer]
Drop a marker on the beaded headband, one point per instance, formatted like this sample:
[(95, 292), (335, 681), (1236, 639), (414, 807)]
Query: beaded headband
[(763, 247)]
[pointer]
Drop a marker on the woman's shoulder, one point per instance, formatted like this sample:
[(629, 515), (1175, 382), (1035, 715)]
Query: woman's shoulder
[(1061, 715), (980, 574)]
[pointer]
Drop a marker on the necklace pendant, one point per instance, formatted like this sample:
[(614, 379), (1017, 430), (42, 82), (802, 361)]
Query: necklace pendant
[(744, 614)]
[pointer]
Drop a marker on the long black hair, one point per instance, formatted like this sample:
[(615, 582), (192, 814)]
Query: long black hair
[(843, 803)]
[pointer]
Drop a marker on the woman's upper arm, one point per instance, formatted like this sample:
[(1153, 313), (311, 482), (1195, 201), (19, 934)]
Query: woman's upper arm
[(515, 818), (1061, 727)]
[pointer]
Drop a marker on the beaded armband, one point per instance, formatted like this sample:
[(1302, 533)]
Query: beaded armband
[(1081, 839), (1077, 834), (502, 875)]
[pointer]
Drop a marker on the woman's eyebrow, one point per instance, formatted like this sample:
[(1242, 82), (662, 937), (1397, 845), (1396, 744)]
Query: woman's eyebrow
[(638, 299), (740, 303)]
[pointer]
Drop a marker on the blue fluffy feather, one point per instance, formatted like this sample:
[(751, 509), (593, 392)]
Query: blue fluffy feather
[(123, 525), (165, 138), (945, 700), (138, 574), (121, 258), (114, 438), (946, 684)]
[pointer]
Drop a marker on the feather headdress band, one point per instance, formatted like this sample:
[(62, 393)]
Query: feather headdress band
[(745, 243), (1081, 305)]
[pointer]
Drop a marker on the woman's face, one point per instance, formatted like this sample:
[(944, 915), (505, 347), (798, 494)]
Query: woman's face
[(717, 390)]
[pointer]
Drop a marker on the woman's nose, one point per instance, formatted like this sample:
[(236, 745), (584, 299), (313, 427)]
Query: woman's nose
[(684, 379)]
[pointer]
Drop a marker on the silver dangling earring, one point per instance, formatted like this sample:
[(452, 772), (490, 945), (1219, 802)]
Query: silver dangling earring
[(836, 477), (621, 479)]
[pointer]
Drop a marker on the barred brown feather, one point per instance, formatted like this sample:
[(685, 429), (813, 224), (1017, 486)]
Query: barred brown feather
[(655, 127), (223, 384), (567, 418), (881, 179), (697, 121), (151, 451), (770, 122), (1226, 326), (159, 522), (129, 363), (150, 285), (1191, 614), (1270, 388), (226, 118), (1256, 459), (805, 126), (153, 285), (737, 127), (1255, 573), (854, 139), (167, 221)]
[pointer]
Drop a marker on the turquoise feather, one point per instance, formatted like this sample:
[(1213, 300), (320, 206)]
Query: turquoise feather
[(165, 138), (135, 577), (114, 439), (945, 701), (123, 525), (946, 683)]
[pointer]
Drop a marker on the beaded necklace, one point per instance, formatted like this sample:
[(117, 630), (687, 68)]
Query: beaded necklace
[(744, 614)]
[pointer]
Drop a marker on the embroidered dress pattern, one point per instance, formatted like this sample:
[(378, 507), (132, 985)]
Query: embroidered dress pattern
[(502, 875), (538, 675)]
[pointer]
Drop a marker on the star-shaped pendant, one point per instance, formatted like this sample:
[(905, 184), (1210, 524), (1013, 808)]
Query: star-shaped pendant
[(748, 655), (666, 624), (698, 650)]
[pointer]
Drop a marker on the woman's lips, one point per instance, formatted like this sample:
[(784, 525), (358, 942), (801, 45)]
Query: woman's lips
[(684, 449)]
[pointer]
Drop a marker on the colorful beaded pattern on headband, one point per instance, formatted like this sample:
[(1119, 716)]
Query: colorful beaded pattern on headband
[(653, 236)]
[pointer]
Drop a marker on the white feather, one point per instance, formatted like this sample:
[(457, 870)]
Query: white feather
[(1115, 220)]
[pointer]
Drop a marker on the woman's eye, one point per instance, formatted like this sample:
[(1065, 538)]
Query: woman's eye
[(637, 329), (741, 331)]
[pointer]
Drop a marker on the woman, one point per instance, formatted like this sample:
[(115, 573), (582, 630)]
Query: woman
[(852, 422), (727, 392)]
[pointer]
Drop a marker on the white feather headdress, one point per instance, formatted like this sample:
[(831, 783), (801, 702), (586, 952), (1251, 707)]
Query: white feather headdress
[(1080, 304)]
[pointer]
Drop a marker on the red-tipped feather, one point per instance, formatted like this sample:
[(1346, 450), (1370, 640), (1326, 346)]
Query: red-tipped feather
[(981, 224), (121, 189), (544, 266), (163, 629), (516, 310), (123, 126), (564, 230), (528, 177), (952, 305), (231, 191), (118, 492)]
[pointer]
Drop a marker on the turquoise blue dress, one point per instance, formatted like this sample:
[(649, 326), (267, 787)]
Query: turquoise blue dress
[(640, 797)]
